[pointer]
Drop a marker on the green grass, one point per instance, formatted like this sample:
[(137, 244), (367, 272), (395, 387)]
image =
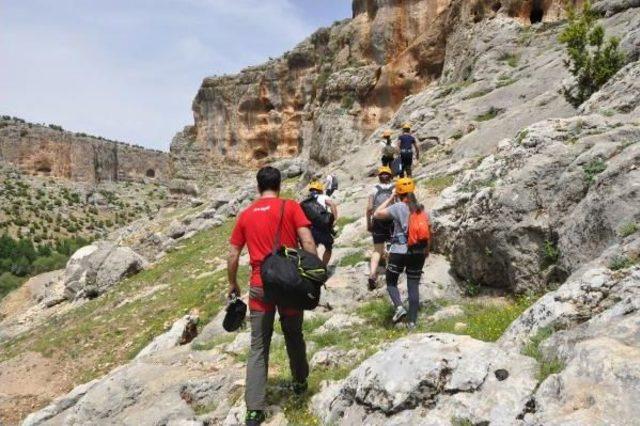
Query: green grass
[(344, 221), (546, 367), (627, 229), (478, 94), (621, 262), (352, 259), (593, 169), (485, 321), (103, 333), (439, 183), (490, 114), (551, 254), (511, 59)]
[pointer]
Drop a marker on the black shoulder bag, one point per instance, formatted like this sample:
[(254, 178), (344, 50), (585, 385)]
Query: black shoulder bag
[(292, 278)]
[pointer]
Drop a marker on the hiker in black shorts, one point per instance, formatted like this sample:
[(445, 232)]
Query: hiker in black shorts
[(381, 230)]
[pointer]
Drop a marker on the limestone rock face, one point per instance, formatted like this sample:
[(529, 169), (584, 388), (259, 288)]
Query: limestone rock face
[(41, 150), (333, 89), (432, 379), (95, 268), (550, 200)]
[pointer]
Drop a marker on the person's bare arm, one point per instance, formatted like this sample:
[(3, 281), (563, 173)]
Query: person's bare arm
[(334, 208), (369, 213), (382, 212), (306, 240), (233, 262)]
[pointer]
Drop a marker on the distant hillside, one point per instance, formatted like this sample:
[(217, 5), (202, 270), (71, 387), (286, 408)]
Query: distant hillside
[(43, 150)]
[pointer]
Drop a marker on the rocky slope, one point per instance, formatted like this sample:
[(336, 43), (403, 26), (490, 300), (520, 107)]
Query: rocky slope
[(339, 85), (527, 195), (51, 151)]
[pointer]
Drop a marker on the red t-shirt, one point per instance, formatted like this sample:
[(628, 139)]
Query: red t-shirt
[(257, 226)]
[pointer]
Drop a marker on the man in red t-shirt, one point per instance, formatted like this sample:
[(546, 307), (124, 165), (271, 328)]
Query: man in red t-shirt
[(256, 228)]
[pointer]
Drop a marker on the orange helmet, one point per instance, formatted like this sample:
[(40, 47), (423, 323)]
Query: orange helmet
[(386, 134), (384, 169), (405, 186)]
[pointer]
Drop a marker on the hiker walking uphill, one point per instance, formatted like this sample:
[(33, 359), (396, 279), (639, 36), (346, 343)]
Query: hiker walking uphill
[(406, 145), (380, 229), (388, 150), (331, 184), (257, 227), (322, 212), (409, 246)]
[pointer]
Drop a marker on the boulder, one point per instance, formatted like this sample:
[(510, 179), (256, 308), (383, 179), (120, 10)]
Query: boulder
[(176, 230), (163, 388), (339, 322), (93, 269), (599, 378), (182, 332), (425, 378), (334, 357), (184, 187), (550, 200)]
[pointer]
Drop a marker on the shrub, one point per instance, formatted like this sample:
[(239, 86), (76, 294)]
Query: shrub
[(621, 262), (491, 113), (8, 282), (551, 254), (594, 168), (546, 366), (591, 59), (627, 229)]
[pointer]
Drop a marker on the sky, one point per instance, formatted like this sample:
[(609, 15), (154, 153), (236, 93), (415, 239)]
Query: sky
[(129, 69)]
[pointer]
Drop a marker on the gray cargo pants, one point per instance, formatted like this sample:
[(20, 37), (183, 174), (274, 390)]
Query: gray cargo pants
[(258, 362)]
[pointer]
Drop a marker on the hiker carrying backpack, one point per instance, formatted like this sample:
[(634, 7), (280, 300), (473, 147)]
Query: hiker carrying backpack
[(409, 247), (292, 278), (332, 185), (316, 207)]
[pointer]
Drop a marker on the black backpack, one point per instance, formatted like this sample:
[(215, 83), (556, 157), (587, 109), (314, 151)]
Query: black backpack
[(381, 195), (292, 278), (334, 183), (319, 216)]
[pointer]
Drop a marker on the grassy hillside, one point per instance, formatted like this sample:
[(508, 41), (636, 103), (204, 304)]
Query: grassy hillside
[(103, 333)]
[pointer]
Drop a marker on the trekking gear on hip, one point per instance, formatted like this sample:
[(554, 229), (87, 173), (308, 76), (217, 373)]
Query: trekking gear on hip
[(419, 230), (317, 214), (236, 313), (316, 186), (292, 278), (396, 166), (405, 186)]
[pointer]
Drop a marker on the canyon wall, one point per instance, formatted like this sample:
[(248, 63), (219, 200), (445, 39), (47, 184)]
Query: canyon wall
[(51, 151), (336, 87)]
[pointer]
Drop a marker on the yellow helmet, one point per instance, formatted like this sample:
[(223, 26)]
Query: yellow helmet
[(386, 134), (405, 186), (315, 185), (384, 169), (406, 126)]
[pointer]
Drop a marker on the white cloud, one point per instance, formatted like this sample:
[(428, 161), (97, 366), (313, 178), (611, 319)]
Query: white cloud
[(128, 70)]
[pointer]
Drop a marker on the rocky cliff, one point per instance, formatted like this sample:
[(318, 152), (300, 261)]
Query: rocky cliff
[(51, 151), (333, 89)]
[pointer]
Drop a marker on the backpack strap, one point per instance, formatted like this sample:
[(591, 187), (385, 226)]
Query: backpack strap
[(276, 243)]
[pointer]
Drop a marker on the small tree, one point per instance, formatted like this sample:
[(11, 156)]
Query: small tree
[(592, 61)]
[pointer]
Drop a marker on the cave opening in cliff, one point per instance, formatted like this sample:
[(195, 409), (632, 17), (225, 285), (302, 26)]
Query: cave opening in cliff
[(537, 12), (151, 173)]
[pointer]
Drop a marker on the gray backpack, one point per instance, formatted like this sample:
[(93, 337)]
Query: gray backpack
[(381, 195)]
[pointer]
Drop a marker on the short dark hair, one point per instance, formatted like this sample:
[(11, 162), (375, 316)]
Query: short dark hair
[(269, 179)]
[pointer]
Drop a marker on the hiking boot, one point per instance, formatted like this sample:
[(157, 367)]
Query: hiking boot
[(399, 314), (411, 326), (255, 418), (299, 388), (372, 284)]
